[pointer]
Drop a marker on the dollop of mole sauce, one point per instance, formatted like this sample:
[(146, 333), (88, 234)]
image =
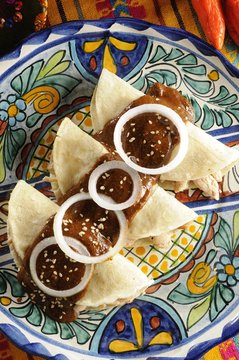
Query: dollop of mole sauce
[(98, 228)]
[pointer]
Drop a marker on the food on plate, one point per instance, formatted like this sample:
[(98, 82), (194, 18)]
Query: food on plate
[(156, 212), (65, 255), (57, 271), (206, 160)]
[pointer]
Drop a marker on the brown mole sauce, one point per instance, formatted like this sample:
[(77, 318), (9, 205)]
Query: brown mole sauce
[(95, 227)]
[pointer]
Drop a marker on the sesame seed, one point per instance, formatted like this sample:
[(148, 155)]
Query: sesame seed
[(84, 228), (76, 269), (157, 99), (66, 229), (111, 190), (101, 227), (55, 273), (65, 266), (70, 221), (144, 141), (128, 134), (162, 155), (124, 178), (159, 142), (67, 279), (43, 235), (132, 124), (54, 252), (132, 139), (151, 152), (179, 107), (128, 153), (168, 127), (102, 188), (150, 122), (47, 280), (133, 129), (81, 233), (121, 182), (60, 274), (152, 145)]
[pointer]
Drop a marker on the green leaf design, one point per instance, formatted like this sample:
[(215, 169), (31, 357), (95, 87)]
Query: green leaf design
[(16, 287), (220, 298), (198, 86), (189, 59), (66, 331), (181, 295), (81, 334), (159, 54), (94, 316), (14, 141), (88, 326), (33, 119), (223, 98), (22, 311), (54, 65), (35, 318), (49, 326), (3, 285), (210, 256), (62, 82), (198, 312), (235, 230), (226, 120), (24, 82), (197, 109), (140, 82), (163, 76), (208, 118), (195, 70), (223, 237), (174, 54)]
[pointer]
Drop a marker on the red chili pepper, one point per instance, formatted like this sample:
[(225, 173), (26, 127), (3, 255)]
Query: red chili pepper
[(211, 17), (231, 9)]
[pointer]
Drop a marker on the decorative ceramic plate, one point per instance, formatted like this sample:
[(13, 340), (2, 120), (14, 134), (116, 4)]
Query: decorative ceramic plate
[(194, 302)]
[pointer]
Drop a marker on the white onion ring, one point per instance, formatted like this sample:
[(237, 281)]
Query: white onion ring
[(162, 110), (52, 292), (60, 239), (110, 204)]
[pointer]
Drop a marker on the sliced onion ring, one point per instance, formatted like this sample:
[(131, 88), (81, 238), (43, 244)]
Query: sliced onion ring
[(169, 114), (52, 292), (110, 204), (86, 259)]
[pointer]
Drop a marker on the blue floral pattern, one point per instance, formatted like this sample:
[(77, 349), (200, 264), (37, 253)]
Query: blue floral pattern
[(228, 270), (12, 110)]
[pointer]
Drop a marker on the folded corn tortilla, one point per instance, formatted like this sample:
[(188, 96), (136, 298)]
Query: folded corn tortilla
[(161, 212), (205, 157), (126, 280)]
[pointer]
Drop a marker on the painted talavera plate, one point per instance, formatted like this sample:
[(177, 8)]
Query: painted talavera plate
[(194, 301)]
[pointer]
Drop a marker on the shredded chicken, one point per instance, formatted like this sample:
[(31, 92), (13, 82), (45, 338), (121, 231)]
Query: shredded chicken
[(162, 241), (209, 186)]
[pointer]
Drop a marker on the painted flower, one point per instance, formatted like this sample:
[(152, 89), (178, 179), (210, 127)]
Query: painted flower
[(228, 270), (12, 110)]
